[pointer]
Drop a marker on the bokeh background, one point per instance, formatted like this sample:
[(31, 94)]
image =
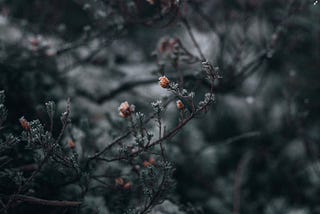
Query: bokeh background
[(255, 151)]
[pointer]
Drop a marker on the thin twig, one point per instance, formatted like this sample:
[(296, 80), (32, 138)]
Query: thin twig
[(154, 197), (34, 200), (65, 121), (117, 140), (187, 25), (238, 182)]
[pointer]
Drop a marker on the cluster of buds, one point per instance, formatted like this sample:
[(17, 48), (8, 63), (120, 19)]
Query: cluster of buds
[(164, 82), (121, 183), (71, 144), (25, 124), (125, 110), (149, 163), (211, 72)]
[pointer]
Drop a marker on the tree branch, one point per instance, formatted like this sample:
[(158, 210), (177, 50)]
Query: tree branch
[(34, 200)]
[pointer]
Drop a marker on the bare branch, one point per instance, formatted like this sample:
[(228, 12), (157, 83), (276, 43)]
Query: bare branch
[(34, 200)]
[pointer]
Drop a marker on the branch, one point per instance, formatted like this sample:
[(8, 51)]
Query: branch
[(238, 182), (117, 140), (186, 23), (126, 134), (34, 200), (125, 86), (246, 135), (151, 204), (169, 135)]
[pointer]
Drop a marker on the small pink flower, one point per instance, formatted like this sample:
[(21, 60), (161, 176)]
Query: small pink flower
[(25, 124), (180, 104), (125, 110)]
